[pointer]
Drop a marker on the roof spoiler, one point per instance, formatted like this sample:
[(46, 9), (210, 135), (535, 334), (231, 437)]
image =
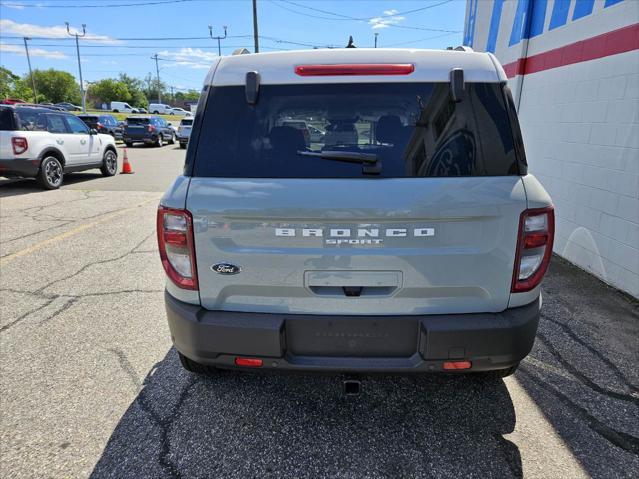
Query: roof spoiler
[(457, 85)]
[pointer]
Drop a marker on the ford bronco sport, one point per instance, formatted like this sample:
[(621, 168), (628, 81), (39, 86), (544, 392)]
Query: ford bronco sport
[(408, 238)]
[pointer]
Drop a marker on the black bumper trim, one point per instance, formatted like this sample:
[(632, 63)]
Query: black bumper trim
[(488, 340), (25, 167)]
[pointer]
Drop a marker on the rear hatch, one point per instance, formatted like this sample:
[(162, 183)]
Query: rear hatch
[(137, 128), (409, 204), (184, 130), (90, 121)]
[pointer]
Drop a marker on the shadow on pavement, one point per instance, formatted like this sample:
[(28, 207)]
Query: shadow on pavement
[(583, 373), (18, 186), (23, 186), (272, 425)]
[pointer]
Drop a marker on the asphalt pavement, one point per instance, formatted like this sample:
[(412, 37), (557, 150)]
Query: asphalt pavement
[(90, 386)]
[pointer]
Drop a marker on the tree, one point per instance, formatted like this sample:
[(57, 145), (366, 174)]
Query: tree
[(57, 86), (189, 95), (12, 86), (108, 90), (151, 88), (135, 87)]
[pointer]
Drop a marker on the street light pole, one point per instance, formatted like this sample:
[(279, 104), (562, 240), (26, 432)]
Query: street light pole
[(157, 69), (219, 49), (376, 39), (26, 47), (77, 47), (255, 35)]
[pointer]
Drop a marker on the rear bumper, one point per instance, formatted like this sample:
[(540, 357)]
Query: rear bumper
[(25, 167), (392, 344)]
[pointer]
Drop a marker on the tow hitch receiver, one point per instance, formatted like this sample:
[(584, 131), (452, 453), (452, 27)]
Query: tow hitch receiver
[(351, 387)]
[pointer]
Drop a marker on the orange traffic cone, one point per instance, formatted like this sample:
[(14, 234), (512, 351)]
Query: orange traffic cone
[(126, 166)]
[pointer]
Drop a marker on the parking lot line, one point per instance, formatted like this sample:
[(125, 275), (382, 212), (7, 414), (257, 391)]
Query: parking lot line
[(66, 234)]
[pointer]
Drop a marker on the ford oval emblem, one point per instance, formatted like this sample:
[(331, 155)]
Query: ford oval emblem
[(226, 268)]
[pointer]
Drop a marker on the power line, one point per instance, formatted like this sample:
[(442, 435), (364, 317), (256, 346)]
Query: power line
[(346, 17), (112, 5), (381, 17), (418, 40)]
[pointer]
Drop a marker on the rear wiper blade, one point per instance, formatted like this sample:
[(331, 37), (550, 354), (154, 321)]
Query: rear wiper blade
[(349, 156), (369, 161)]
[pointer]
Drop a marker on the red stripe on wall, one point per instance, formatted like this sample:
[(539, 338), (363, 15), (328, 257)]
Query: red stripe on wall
[(611, 43)]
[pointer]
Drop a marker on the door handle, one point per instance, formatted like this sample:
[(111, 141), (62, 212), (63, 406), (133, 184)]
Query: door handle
[(83, 142)]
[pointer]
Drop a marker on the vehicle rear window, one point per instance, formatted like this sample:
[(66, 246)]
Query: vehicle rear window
[(413, 129), (137, 121), (187, 122)]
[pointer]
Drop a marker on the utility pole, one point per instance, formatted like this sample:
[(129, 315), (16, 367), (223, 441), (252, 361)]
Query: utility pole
[(219, 49), (255, 35), (77, 47), (157, 69), (172, 94), (376, 39), (35, 93)]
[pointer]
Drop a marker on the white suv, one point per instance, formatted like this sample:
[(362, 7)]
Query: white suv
[(44, 144)]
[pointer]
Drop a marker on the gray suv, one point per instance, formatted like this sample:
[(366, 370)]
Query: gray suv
[(409, 237)]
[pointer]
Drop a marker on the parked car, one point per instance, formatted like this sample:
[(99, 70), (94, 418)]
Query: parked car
[(142, 110), (39, 143), (148, 130), (106, 124), (159, 108), (179, 112), (69, 106), (11, 101), (421, 250), (122, 107), (184, 131), (51, 106)]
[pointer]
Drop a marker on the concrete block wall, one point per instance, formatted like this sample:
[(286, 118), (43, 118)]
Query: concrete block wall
[(580, 123), (582, 141)]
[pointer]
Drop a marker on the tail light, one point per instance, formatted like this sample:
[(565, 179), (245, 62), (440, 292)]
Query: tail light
[(534, 248), (100, 125), (151, 128), (355, 69), (177, 248), (19, 144)]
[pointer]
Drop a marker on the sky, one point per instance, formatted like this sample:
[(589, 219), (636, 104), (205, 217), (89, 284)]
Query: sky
[(122, 35)]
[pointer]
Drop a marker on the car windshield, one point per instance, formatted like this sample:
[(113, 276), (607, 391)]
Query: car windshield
[(186, 122), (414, 129)]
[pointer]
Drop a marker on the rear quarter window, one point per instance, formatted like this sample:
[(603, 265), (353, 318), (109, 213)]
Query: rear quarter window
[(7, 120), (31, 120), (414, 129)]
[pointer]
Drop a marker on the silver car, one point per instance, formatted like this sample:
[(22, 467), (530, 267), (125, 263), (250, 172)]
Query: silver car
[(410, 237)]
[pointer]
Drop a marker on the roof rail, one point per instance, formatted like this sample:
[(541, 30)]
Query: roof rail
[(240, 51), (463, 48)]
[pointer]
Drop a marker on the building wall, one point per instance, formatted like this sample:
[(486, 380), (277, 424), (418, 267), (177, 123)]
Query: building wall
[(573, 66)]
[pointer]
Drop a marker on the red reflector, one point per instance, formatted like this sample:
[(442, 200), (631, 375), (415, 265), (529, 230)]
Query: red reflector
[(450, 365), (248, 362), (535, 240), (356, 69), (175, 238)]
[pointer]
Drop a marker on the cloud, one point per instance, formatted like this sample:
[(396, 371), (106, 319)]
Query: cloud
[(34, 52), (389, 18), (29, 30), (189, 57)]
